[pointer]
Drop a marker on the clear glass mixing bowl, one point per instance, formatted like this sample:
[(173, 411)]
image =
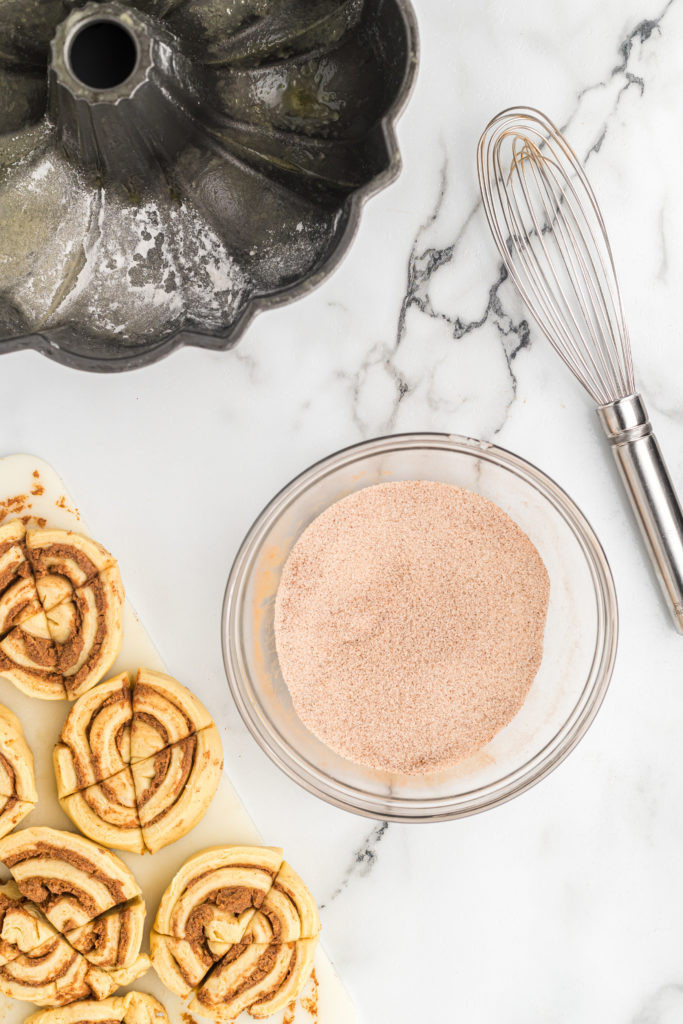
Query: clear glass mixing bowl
[(580, 638)]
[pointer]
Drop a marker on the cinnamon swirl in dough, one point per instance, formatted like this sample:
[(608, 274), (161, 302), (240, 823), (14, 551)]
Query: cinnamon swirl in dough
[(261, 979), (141, 804), (133, 1008), (87, 631), (70, 879), (22, 928), (28, 658), (112, 940), (62, 561), (71, 921), (239, 928), (95, 738), (107, 812), (52, 974), (18, 594), (61, 601), (17, 784), (175, 787), (164, 712)]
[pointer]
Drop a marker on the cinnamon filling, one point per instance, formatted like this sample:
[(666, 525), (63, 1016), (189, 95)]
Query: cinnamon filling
[(261, 970), (9, 771), (162, 765), (152, 722), (144, 692), (45, 887), (265, 996), (53, 560)]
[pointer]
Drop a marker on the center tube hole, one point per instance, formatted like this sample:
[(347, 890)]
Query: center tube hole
[(103, 54)]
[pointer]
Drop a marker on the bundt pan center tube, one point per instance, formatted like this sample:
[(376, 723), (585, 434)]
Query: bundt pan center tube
[(170, 167)]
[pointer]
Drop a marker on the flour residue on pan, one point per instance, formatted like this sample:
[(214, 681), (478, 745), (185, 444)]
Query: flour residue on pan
[(129, 267)]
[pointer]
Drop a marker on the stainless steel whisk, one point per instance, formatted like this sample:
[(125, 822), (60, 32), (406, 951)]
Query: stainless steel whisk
[(549, 230)]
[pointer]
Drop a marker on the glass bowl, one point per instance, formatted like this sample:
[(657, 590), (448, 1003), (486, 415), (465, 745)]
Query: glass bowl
[(580, 638)]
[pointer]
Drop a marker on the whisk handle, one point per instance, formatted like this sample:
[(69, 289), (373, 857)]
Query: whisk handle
[(650, 491)]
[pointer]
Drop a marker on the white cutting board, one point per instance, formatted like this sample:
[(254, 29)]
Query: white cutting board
[(325, 1000)]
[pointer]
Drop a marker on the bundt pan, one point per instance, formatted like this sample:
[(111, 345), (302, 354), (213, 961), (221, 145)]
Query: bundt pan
[(169, 167)]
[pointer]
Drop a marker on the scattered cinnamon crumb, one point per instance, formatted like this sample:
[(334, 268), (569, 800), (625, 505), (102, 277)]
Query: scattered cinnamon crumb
[(36, 474), (188, 1018), (11, 506), (61, 502), (38, 520), (38, 489), (310, 1003), (290, 1012)]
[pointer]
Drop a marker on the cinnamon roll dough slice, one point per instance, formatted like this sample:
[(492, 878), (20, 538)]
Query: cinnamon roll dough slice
[(28, 658), (87, 631), (63, 561), (175, 787), (18, 794), (288, 912), (18, 594), (22, 927), (261, 979), (107, 813), (12, 811), (70, 879), (17, 777), (113, 940), (52, 974), (164, 712), (216, 893), (133, 1008), (182, 964), (117, 977), (95, 738)]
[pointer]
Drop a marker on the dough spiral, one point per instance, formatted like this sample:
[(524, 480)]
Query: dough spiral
[(239, 928), (141, 803), (70, 879), (61, 600), (18, 794), (71, 921)]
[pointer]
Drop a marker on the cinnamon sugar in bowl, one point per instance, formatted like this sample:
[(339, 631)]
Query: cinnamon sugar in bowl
[(563, 696)]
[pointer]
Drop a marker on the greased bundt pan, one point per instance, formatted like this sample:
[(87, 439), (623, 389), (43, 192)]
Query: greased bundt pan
[(168, 167)]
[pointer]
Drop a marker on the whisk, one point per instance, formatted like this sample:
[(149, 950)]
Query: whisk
[(549, 230)]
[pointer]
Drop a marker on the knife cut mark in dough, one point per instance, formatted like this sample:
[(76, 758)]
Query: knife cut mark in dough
[(87, 631), (52, 974), (238, 927), (22, 927), (175, 787), (164, 712), (44, 957), (65, 556), (28, 658), (18, 594), (112, 940), (61, 601), (147, 803), (107, 813), (95, 738), (261, 979)]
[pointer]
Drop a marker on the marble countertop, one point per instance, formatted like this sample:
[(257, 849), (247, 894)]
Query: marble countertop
[(567, 903)]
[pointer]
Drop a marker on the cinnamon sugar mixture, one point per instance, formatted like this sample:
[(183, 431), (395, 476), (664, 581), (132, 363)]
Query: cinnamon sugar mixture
[(409, 624)]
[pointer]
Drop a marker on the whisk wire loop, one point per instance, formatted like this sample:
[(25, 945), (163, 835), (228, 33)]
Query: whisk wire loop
[(550, 233)]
